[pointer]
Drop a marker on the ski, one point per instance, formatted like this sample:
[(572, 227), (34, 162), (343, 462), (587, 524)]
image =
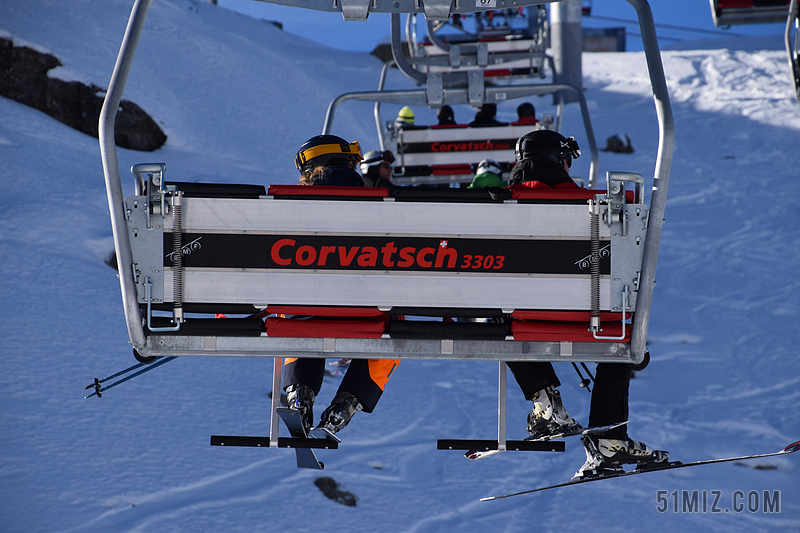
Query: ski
[(294, 423), (323, 433), (476, 454), (479, 449), (649, 467), (577, 431)]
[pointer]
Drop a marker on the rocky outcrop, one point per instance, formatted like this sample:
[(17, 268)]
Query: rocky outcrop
[(23, 78)]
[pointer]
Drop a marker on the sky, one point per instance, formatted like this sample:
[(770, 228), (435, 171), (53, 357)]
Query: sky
[(236, 98), (330, 29)]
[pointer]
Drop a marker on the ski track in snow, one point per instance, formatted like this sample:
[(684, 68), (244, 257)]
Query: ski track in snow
[(723, 379)]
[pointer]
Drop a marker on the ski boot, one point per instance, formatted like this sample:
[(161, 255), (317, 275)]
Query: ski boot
[(606, 456), (339, 413), (549, 417), (301, 398)]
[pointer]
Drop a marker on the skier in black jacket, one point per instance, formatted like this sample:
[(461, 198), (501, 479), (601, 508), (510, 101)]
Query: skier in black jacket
[(543, 161)]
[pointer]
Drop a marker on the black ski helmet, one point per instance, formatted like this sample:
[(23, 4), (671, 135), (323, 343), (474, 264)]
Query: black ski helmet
[(327, 150), (546, 143), (374, 158)]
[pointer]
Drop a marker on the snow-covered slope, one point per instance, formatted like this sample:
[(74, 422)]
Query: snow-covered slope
[(236, 98)]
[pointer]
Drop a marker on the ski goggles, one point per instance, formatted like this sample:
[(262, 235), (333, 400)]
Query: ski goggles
[(353, 150)]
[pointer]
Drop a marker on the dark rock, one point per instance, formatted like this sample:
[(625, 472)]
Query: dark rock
[(23, 78), (330, 488), (620, 144)]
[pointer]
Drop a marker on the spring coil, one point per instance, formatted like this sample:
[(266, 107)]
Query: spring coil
[(594, 233), (177, 245)]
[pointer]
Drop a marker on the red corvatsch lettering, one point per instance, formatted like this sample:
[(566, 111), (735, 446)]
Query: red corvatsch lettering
[(468, 146), (285, 252)]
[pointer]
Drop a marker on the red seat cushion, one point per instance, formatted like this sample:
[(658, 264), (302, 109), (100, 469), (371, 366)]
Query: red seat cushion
[(536, 330), (325, 190), (315, 328), (567, 316), (310, 310)]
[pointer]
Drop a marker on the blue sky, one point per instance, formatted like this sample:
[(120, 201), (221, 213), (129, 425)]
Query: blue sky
[(329, 29)]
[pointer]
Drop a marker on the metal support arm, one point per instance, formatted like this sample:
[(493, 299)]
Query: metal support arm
[(666, 143), (108, 152)]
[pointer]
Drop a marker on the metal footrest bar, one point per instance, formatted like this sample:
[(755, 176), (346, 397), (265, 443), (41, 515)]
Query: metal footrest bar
[(264, 442), (511, 445)]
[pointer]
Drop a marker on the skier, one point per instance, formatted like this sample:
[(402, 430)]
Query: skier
[(543, 161), (527, 115), (446, 116), (484, 117), (376, 168), (330, 160), (488, 174), (405, 119)]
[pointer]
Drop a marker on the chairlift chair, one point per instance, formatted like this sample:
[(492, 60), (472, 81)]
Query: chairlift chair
[(434, 155), (563, 269), (732, 12), (735, 12)]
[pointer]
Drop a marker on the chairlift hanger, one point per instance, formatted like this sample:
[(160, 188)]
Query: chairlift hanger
[(160, 212)]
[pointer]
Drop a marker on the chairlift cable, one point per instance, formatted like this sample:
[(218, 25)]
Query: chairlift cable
[(668, 26)]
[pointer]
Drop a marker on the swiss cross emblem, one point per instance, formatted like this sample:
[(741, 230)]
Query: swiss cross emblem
[(442, 244)]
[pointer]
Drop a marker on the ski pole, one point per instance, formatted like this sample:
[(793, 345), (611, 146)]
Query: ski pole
[(98, 391), (587, 371), (112, 376), (584, 381)]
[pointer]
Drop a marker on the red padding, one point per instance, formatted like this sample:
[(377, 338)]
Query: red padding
[(521, 192), (308, 310), (726, 4), (496, 73), (532, 330), (324, 190), (350, 329), (445, 170), (567, 316)]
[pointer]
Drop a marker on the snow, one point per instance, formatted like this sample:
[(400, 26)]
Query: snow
[(236, 97)]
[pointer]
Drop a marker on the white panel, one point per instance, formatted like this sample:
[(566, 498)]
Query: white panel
[(323, 217), (464, 134), (386, 290), (455, 158)]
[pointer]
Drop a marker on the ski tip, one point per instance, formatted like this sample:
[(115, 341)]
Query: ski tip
[(795, 446)]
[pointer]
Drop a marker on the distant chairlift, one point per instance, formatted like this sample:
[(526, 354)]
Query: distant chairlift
[(561, 271), (732, 12), (450, 154), (509, 45)]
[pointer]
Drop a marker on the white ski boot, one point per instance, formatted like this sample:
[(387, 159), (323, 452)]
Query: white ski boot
[(605, 456), (549, 417)]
